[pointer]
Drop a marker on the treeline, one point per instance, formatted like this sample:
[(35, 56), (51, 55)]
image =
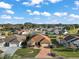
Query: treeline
[(32, 25)]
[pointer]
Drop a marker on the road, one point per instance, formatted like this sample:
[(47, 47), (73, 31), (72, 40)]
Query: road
[(9, 50)]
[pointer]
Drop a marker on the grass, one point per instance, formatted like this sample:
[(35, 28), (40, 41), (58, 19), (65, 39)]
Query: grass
[(26, 52), (66, 52)]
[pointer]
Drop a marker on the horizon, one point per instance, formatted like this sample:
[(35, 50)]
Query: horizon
[(39, 11)]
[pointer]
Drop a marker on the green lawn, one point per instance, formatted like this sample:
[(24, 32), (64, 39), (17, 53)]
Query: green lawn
[(66, 52), (26, 52)]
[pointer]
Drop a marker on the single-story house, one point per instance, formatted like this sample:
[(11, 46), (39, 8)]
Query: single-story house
[(41, 39), (71, 41)]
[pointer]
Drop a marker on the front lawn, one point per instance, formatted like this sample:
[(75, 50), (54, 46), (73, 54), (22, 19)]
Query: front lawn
[(26, 52), (66, 52)]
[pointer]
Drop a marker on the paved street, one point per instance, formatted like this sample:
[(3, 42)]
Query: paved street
[(9, 50)]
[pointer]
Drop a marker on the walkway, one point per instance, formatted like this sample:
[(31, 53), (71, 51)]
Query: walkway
[(44, 53)]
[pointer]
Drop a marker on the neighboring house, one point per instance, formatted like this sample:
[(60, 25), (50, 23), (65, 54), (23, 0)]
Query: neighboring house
[(22, 32), (13, 40), (2, 40), (71, 42), (60, 30), (1, 27), (25, 32), (10, 41)]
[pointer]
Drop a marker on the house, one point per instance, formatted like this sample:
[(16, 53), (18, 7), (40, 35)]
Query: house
[(10, 41), (60, 30), (22, 32), (71, 41), (41, 40), (13, 41), (2, 40), (25, 32)]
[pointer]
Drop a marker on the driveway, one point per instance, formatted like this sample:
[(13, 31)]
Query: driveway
[(44, 53)]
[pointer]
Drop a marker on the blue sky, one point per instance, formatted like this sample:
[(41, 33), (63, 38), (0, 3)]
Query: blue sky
[(39, 11)]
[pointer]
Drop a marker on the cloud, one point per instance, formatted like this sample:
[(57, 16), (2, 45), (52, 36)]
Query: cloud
[(38, 6), (55, 1), (38, 13), (18, 18), (5, 17), (29, 11), (46, 14), (9, 12), (33, 2), (74, 16), (26, 3), (5, 5), (60, 14), (76, 3), (17, 0), (33, 13), (37, 2)]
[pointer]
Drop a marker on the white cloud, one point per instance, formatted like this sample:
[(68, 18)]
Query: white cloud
[(17, 0), (45, 14), (76, 3), (37, 2), (74, 16), (33, 13), (26, 3), (55, 1), (38, 13), (5, 5), (38, 6), (9, 12), (6, 17), (30, 4), (29, 11), (19, 18), (33, 2), (61, 14)]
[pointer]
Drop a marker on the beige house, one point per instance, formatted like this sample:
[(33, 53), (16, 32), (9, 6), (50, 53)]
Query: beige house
[(44, 40)]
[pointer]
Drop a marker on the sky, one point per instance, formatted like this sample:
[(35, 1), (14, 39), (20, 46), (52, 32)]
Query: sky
[(39, 11)]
